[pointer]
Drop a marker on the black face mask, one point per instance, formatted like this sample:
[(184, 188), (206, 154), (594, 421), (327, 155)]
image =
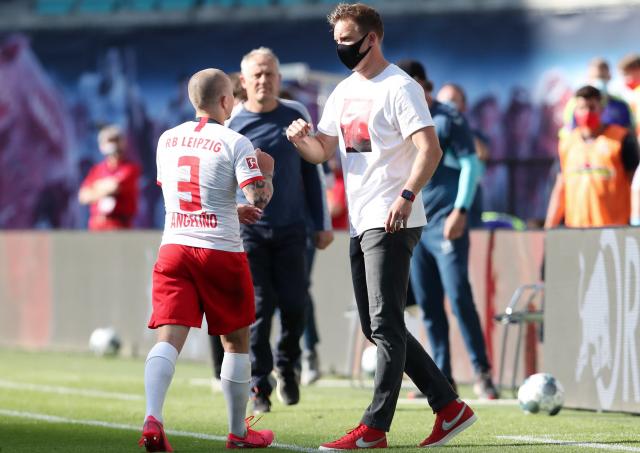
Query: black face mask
[(350, 55)]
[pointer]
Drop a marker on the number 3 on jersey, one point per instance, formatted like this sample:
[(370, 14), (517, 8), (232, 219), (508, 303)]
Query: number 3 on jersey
[(192, 186)]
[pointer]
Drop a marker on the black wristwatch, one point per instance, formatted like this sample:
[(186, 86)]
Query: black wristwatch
[(408, 195), (462, 210)]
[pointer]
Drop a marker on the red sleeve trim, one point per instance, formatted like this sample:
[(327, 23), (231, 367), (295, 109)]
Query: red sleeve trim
[(159, 183), (250, 180)]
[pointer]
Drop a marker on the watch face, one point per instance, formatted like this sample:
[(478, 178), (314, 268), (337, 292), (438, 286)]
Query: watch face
[(408, 195)]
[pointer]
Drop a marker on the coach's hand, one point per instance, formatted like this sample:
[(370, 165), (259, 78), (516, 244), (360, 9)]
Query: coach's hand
[(398, 215), (298, 130), (248, 214), (323, 239)]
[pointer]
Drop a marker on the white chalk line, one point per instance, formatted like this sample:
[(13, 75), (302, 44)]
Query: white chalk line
[(571, 443), (69, 391), (126, 427)]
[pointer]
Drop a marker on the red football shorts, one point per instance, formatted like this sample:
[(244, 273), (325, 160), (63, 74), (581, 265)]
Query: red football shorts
[(190, 281)]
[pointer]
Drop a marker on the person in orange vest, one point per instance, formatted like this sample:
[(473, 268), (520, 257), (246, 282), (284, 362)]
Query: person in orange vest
[(597, 162)]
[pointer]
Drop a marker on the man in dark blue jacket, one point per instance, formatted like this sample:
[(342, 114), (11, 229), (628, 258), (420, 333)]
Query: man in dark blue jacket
[(275, 243), (440, 261)]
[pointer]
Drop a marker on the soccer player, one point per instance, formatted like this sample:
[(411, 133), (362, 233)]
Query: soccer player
[(201, 266), (389, 150)]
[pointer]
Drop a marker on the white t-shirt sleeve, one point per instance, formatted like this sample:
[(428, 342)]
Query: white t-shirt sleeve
[(412, 112), (246, 163), (328, 124)]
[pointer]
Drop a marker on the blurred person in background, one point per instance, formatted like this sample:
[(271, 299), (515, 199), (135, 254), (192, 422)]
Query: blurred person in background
[(614, 109), (38, 174), (630, 68), (389, 149), (486, 117), (597, 162), (454, 95), (528, 168), (201, 267), (440, 262), (111, 187), (276, 242)]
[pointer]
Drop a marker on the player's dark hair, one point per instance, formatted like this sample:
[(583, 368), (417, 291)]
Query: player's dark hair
[(588, 92), (365, 17)]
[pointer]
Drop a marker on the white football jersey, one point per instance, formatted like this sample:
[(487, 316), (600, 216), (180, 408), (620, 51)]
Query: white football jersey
[(200, 165)]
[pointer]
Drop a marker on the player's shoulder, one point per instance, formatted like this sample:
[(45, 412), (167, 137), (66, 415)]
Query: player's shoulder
[(296, 107)]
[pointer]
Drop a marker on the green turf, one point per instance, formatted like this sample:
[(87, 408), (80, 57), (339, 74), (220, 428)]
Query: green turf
[(322, 415)]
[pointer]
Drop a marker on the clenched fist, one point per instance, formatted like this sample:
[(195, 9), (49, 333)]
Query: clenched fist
[(298, 130)]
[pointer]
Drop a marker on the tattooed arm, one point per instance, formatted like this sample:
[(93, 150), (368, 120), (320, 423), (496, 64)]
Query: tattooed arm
[(259, 193)]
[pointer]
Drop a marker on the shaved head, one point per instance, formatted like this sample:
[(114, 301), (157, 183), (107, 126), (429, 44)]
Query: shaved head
[(206, 87)]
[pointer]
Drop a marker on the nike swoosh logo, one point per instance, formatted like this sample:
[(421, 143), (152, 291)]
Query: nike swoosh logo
[(361, 443), (448, 425)]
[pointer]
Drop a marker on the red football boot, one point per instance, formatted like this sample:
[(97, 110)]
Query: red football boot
[(153, 436), (360, 437), (451, 420), (253, 438)]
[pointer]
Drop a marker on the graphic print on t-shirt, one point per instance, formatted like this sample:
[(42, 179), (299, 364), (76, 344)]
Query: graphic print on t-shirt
[(354, 124)]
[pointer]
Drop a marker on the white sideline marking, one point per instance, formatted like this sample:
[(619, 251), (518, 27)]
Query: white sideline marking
[(102, 424), (69, 391), (571, 443)]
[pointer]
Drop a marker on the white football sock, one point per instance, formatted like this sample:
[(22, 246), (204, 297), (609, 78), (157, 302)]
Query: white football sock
[(158, 372), (235, 376)]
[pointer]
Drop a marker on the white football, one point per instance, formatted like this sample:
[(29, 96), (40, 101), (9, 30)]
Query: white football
[(104, 341), (369, 360), (541, 392)]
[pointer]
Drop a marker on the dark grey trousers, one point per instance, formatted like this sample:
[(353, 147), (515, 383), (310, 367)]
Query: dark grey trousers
[(380, 274)]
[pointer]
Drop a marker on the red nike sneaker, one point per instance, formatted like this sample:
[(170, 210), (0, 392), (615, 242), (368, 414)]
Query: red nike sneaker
[(360, 437), (153, 436), (253, 438), (451, 420)]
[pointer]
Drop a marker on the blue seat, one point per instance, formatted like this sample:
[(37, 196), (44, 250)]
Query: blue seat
[(176, 5), (222, 3), (96, 6), (54, 7), (254, 3), (141, 5)]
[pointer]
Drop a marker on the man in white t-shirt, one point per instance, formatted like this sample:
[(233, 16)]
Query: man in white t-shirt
[(389, 150), (201, 266)]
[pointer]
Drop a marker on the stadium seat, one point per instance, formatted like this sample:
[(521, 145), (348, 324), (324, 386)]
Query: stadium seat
[(254, 3), (96, 6), (54, 7), (222, 3), (141, 5), (176, 5)]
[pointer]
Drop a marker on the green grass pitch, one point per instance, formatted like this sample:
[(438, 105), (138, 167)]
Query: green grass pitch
[(52, 402)]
